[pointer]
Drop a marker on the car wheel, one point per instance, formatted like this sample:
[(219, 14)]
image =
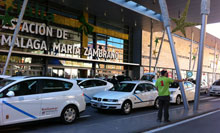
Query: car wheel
[(126, 107), (178, 100), (156, 104), (69, 114)]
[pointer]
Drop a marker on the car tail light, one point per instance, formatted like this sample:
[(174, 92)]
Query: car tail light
[(82, 94)]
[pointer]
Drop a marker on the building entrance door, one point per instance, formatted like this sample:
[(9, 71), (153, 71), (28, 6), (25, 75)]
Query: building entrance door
[(58, 72), (71, 73)]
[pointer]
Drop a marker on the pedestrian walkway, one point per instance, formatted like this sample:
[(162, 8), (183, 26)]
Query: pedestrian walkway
[(180, 114)]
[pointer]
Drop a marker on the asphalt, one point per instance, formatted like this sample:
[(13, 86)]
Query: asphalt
[(140, 120)]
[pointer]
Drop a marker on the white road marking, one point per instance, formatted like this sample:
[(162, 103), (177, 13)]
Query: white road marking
[(203, 96), (85, 116), (214, 100), (206, 98), (181, 122)]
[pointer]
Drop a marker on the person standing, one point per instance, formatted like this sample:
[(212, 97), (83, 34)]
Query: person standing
[(114, 81), (162, 85), (106, 78)]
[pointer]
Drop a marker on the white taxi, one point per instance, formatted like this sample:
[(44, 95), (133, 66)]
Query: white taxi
[(176, 97), (129, 95), (4, 77), (92, 86), (24, 99)]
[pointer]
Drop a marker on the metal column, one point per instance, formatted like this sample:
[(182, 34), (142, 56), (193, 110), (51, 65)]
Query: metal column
[(194, 62), (216, 68), (151, 44), (159, 51), (191, 49), (166, 21), (15, 34), (214, 64), (205, 10)]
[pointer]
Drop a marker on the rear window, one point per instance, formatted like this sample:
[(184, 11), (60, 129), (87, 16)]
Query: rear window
[(55, 86)]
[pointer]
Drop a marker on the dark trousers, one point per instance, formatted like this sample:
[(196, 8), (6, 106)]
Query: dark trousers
[(164, 102)]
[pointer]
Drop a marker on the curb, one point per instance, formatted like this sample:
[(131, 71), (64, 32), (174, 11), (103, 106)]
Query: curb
[(175, 121)]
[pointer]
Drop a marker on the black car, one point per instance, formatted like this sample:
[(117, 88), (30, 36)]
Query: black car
[(121, 78)]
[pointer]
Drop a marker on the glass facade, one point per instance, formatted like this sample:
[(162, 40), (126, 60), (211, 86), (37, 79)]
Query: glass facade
[(51, 43)]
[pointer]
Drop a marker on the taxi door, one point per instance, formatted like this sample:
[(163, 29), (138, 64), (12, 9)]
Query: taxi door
[(53, 96), (151, 94), (139, 96), (1, 108), (21, 103), (187, 91), (191, 91)]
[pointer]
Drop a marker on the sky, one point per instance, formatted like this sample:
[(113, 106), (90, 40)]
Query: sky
[(213, 29)]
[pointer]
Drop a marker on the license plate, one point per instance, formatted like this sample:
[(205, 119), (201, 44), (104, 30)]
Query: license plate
[(99, 105)]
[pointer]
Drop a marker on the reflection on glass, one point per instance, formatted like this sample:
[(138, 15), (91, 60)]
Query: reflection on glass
[(67, 73)]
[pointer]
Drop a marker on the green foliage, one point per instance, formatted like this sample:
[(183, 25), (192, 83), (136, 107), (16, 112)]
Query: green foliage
[(85, 27), (180, 23), (7, 18)]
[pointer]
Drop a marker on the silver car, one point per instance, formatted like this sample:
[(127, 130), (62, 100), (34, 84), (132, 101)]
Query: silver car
[(215, 88), (129, 95)]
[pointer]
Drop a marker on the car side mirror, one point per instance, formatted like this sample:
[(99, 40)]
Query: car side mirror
[(137, 92), (10, 94), (81, 87)]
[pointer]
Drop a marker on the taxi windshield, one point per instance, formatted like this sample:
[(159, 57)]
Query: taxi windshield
[(5, 82), (124, 87)]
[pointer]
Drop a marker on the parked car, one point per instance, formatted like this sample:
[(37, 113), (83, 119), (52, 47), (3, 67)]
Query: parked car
[(204, 88), (215, 88), (91, 86), (121, 78), (151, 76), (129, 95), (4, 76), (24, 99), (176, 97)]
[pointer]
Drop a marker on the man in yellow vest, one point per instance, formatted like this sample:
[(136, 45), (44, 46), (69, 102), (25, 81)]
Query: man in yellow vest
[(162, 85)]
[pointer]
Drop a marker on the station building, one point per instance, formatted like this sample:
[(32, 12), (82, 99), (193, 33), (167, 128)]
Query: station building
[(70, 38)]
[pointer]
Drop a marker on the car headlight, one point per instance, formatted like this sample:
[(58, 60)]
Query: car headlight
[(94, 98), (172, 92)]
